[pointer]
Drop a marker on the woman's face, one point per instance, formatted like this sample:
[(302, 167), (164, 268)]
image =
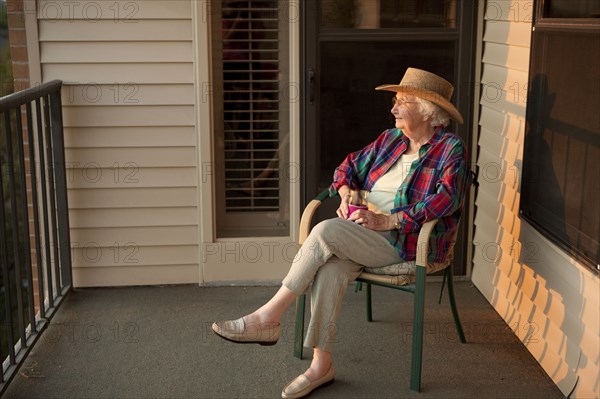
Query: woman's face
[(406, 112)]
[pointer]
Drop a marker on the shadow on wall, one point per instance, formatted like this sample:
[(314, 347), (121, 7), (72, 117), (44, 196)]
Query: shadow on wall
[(542, 303), (539, 155), (531, 293)]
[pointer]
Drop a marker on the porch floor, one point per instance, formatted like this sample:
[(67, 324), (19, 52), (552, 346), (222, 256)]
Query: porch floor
[(156, 342)]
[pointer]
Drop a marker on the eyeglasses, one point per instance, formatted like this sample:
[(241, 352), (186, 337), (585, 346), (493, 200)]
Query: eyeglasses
[(400, 101)]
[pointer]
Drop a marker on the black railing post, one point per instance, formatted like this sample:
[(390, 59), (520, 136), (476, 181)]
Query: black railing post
[(6, 276), (36, 216), (14, 211), (52, 192), (60, 182), (43, 189), (25, 213)]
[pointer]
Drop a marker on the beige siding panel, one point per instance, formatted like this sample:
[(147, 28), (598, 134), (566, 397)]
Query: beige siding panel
[(532, 292), (505, 222), (557, 367), (516, 58), (589, 312), (508, 150), (504, 90), (587, 372), (536, 260), (130, 136), (274, 257), (130, 160), (133, 217), (496, 240), (499, 101), (93, 94), (493, 169), (514, 11), (136, 275), (92, 176), (132, 198), (494, 120), (504, 166), (570, 283), (115, 52), (504, 216), (512, 265), (533, 288), (107, 30), (518, 260), (141, 137), (143, 236), (118, 11), (508, 33), (150, 73), (89, 255), (507, 125), (513, 82), (519, 287), (108, 116), (489, 139), (501, 193), (493, 187)]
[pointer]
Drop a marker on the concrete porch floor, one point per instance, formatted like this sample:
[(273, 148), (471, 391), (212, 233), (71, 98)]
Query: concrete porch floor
[(156, 342)]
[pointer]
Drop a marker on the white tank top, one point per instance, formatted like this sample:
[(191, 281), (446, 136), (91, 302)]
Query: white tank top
[(381, 197)]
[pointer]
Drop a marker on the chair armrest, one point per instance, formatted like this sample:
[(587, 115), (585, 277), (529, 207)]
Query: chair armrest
[(311, 209), (306, 220), (308, 214), (423, 242)]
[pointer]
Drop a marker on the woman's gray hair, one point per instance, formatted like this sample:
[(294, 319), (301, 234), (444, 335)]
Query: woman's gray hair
[(437, 116)]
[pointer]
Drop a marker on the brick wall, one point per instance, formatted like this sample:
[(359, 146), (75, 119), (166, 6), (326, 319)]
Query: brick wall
[(18, 44), (17, 38)]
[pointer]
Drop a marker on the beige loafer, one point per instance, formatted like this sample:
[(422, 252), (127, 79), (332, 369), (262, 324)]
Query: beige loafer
[(302, 386), (237, 331)]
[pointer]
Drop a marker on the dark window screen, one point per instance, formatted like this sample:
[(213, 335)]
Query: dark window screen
[(561, 162)]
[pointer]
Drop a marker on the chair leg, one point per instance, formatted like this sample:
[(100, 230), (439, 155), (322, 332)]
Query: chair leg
[(369, 307), (459, 329), (443, 284), (358, 286), (417, 341), (299, 333)]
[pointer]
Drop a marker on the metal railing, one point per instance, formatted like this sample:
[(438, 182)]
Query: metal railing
[(35, 255)]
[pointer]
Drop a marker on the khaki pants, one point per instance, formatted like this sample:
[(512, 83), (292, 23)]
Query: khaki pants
[(333, 255)]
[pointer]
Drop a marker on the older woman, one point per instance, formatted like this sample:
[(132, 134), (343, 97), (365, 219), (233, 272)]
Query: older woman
[(413, 173)]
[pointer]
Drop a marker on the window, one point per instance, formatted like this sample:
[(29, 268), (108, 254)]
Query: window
[(384, 14), (250, 69), (561, 169)]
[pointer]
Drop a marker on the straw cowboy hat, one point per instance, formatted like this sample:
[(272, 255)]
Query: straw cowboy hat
[(428, 86)]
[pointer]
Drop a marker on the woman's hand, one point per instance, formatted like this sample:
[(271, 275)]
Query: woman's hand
[(373, 221), (345, 198), (342, 211)]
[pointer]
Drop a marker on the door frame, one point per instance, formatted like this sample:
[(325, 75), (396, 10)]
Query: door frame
[(240, 261)]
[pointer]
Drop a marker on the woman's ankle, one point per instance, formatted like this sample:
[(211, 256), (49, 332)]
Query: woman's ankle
[(259, 318), (320, 365)]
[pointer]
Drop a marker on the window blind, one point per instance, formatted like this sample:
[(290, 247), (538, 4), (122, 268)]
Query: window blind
[(251, 105)]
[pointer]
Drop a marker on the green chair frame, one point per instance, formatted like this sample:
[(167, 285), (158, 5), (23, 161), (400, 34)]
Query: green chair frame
[(417, 288)]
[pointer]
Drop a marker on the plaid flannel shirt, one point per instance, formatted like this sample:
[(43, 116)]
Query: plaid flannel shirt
[(433, 189)]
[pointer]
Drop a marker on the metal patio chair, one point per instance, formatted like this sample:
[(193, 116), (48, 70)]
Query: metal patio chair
[(417, 288)]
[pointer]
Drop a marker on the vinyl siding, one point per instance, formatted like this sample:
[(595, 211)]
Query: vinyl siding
[(551, 302), (130, 136)]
